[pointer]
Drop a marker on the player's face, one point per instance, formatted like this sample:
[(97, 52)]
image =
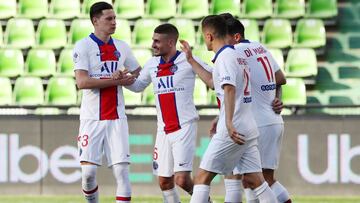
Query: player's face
[(207, 39), (161, 45), (106, 23)]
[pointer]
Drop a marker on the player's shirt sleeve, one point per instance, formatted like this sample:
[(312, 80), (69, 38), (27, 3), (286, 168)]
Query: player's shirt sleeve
[(130, 61), (142, 81), (206, 66), (80, 57), (229, 69)]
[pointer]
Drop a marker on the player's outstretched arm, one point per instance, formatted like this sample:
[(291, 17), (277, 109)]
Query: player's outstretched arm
[(84, 81), (204, 75)]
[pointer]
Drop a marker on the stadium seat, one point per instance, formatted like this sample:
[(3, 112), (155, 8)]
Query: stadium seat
[(5, 91), (129, 9), (143, 31), (322, 8), (40, 63), (225, 6), (301, 63), (200, 92), (65, 9), (354, 41), (142, 55), (186, 29), (1, 37), (294, 92), (289, 9), (251, 29), (51, 33), (16, 37), (28, 91), (123, 31), (79, 28), (204, 55), (193, 9), (277, 33), (86, 5), (65, 64), (278, 56), (211, 95), (131, 98), (309, 33), (7, 9), (257, 8), (161, 9), (148, 97), (61, 91), (11, 62), (327, 79), (33, 9), (349, 72)]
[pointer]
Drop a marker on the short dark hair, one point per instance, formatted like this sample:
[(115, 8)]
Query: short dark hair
[(235, 26), (168, 29), (97, 8), (217, 24), (226, 15)]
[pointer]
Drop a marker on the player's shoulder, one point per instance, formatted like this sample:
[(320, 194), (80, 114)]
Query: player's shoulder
[(152, 62), (120, 43), (83, 43)]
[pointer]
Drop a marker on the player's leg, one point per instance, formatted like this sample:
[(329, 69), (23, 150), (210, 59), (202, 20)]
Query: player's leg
[(116, 148), (91, 133), (270, 140), (169, 191), (201, 189), (233, 188)]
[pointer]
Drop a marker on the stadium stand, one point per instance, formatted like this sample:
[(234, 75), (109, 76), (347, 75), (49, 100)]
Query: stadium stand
[(310, 33), (16, 37), (11, 62), (186, 29), (79, 29), (251, 29), (296, 66), (277, 33), (143, 31), (64, 9), (123, 30), (161, 9), (65, 65), (51, 33), (225, 6), (289, 9), (40, 63), (33, 9), (5, 91), (28, 91), (129, 9), (193, 9), (257, 9), (7, 9), (61, 91)]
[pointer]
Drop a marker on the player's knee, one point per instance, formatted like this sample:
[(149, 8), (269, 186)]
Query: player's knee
[(121, 173), (182, 180), (88, 173), (166, 183), (253, 180)]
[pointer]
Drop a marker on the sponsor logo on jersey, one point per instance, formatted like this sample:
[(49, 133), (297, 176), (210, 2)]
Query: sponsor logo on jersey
[(117, 54), (247, 100), (268, 87)]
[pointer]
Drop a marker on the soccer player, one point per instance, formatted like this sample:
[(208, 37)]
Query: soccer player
[(103, 123), (235, 139), (173, 80)]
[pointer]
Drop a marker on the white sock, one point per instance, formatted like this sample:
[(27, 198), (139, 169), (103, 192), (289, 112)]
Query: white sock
[(200, 194), (123, 189), (171, 196), (280, 192), (89, 185), (250, 196), (233, 190), (265, 194)]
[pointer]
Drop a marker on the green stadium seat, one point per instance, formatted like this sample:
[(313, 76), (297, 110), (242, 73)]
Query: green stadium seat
[(257, 8), (349, 72), (1, 37), (278, 56), (5, 91), (131, 98), (148, 97), (225, 6), (11, 62), (61, 91), (211, 95), (129, 9), (200, 92), (143, 31), (327, 79), (33, 9), (204, 55), (186, 29), (7, 9), (301, 63), (310, 33), (65, 9), (40, 63), (251, 29), (342, 100), (193, 9), (277, 33), (65, 64), (28, 91), (51, 33), (354, 41), (142, 55), (86, 5), (322, 8), (80, 28), (289, 9), (294, 92), (16, 37), (123, 31), (161, 9)]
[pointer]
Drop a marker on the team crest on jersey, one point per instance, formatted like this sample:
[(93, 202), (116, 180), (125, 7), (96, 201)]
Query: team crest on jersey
[(173, 68), (117, 54), (76, 57), (155, 165)]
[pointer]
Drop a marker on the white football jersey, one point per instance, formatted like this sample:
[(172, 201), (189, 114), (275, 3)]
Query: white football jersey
[(263, 84), (230, 68), (101, 60), (173, 84)]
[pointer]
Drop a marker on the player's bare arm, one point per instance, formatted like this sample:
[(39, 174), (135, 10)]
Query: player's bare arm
[(204, 75), (229, 102), (84, 81), (213, 126), (277, 103)]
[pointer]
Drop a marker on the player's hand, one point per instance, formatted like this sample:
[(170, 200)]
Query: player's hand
[(119, 74), (127, 80), (277, 105), (186, 49), (213, 126), (235, 136)]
